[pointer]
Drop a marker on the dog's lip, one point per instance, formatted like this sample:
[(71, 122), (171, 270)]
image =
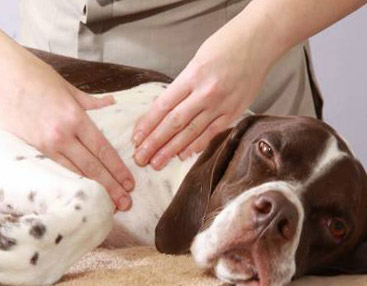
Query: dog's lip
[(251, 273), (253, 281), (258, 276)]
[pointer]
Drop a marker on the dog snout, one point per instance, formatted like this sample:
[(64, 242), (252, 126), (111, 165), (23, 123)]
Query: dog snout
[(276, 214)]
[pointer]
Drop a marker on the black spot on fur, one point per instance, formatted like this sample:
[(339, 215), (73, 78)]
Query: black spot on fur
[(11, 218), (31, 196), (84, 220), (9, 207), (78, 207), (168, 185), (19, 158), (30, 220), (164, 85), (6, 243), (38, 230), (34, 258), (58, 239), (40, 156), (81, 195)]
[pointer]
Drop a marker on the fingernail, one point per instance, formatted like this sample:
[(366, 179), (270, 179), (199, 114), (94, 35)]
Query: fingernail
[(111, 99), (128, 185), (185, 154), (124, 203), (159, 161), (138, 138), (140, 156)]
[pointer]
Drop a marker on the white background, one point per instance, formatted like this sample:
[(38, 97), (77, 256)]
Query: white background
[(340, 59)]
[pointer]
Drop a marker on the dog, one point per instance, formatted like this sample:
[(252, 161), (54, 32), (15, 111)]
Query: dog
[(269, 200)]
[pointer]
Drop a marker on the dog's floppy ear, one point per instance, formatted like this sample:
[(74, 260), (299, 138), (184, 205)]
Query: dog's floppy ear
[(184, 217)]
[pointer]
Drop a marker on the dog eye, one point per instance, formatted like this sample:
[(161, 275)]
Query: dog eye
[(337, 228), (265, 149)]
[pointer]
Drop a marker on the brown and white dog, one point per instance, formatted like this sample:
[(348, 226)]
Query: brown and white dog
[(272, 199), (269, 200)]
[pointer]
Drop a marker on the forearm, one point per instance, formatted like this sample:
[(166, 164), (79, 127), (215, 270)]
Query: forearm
[(269, 28), (13, 57), (8, 47), (229, 67), (16, 64)]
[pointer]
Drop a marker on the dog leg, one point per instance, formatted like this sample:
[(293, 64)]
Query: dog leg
[(49, 216)]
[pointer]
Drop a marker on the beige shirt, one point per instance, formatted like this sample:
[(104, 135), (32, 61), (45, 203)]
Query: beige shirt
[(161, 35)]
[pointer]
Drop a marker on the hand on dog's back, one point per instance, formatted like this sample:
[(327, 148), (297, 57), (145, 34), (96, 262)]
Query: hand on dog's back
[(40, 107)]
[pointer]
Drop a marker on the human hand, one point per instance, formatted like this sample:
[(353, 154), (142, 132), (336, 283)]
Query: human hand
[(226, 74), (215, 88), (40, 107)]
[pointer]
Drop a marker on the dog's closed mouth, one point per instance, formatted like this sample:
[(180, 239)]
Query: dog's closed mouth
[(252, 281), (255, 281), (239, 268)]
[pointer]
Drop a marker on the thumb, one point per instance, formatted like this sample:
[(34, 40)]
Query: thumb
[(88, 101)]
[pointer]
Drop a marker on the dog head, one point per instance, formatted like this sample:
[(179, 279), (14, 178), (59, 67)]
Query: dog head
[(272, 199)]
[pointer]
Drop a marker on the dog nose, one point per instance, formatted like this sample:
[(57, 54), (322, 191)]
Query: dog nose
[(275, 213)]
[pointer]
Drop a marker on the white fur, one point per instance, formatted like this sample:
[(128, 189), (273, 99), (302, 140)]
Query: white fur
[(54, 189), (330, 155), (53, 206), (152, 194), (225, 275)]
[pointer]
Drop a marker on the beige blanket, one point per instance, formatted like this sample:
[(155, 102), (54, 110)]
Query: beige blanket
[(141, 266)]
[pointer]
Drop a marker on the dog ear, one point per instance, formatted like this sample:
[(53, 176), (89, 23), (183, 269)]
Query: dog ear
[(184, 217)]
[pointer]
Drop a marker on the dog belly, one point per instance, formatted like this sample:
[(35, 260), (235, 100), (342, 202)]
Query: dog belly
[(151, 197), (154, 190)]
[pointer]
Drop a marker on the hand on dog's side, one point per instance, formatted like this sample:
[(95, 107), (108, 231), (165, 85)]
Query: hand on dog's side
[(40, 107), (212, 92)]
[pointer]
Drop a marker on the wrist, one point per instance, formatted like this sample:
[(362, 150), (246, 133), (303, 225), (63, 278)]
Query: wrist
[(250, 38), (260, 36)]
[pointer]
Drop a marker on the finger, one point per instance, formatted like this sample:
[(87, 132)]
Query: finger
[(101, 149), (217, 126), (172, 96), (88, 101), (182, 139), (133, 137), (93, 169), (173, 123), (65, 162)]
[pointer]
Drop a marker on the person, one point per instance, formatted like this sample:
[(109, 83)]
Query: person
[(225, 56)]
